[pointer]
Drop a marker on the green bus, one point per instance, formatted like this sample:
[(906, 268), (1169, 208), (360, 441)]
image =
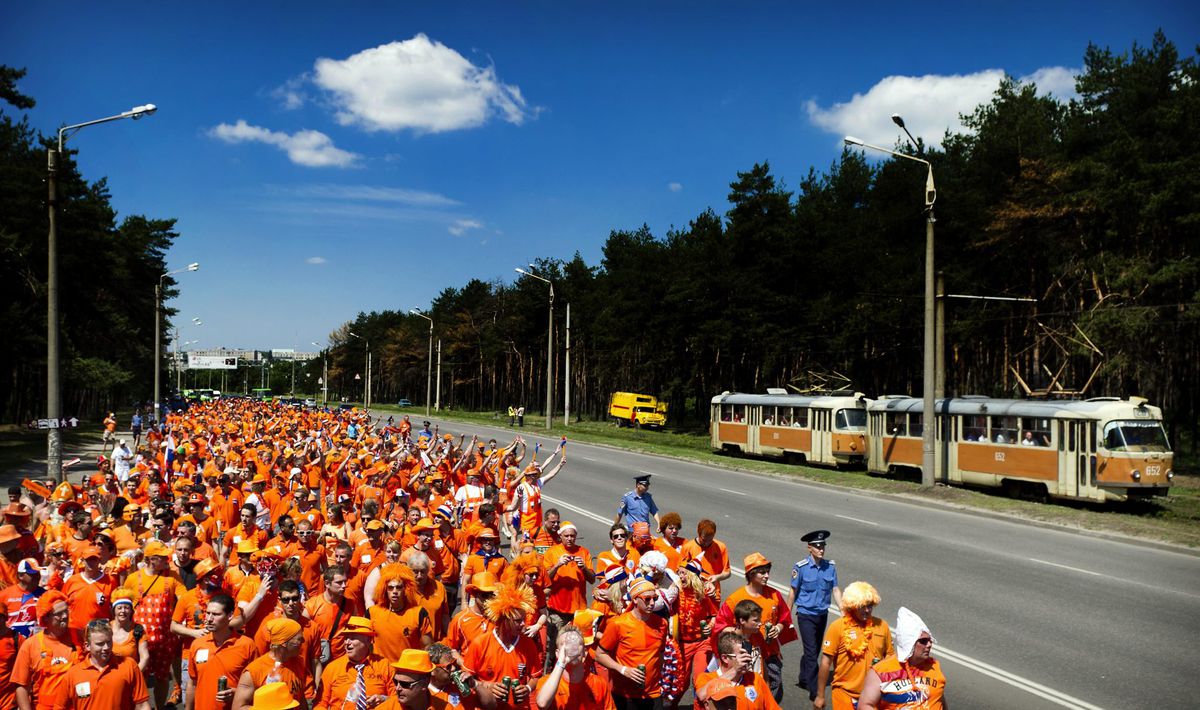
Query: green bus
[(263, 393)]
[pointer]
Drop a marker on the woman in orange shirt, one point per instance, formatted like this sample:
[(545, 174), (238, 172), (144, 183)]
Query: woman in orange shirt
[(399, 623), (621, 555), (129, 639)]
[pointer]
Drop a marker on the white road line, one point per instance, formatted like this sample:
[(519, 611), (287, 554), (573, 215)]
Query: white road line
[(1016, 681), (736, 493), (586, 458), (1073, 569), (857, 520), (648, 473)]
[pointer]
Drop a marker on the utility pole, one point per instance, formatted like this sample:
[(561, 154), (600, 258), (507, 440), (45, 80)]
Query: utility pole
[(567, 373), (437, 405)]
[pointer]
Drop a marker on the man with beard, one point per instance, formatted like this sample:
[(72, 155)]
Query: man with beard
[(104, 681), (285, 641), (306, 664), (360, 673), (42, 661)]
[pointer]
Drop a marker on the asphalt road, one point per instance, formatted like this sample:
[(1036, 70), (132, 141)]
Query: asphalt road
[(1024, 617)]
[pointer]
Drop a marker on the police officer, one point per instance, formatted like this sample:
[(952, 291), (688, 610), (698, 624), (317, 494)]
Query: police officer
[(637, 506), (814, 581)]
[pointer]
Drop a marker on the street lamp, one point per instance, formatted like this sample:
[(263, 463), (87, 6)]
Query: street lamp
[(429, 369), (324, 375), (929, 423), (367, 380), (549, 348), (53, 393), (158, 288)]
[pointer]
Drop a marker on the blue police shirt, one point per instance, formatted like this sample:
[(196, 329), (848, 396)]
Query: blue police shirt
[(813, 584), (637, 509)]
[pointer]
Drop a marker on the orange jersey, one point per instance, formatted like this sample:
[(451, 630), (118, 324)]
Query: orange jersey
[(466, 625), (208, 661), (42, 665), (633, 642), (568, 585), (339, 677), (592, 694), (118, 686), (395, 633), (841, 644)]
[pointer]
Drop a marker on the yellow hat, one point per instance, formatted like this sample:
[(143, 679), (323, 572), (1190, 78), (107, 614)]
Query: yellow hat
[(358, 625), (154, 548), (414, 661), (281, 630), (246, 547), (274, 696)]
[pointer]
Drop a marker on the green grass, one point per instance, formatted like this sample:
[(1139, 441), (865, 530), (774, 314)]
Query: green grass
[(1173, 519)]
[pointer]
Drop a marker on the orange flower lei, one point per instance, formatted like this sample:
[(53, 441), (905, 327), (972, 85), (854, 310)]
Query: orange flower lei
[(856, 644)]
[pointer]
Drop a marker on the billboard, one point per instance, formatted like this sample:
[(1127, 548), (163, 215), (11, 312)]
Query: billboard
[(211, 362)]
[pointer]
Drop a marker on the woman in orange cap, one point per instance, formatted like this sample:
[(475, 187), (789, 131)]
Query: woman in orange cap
[(129, 639)]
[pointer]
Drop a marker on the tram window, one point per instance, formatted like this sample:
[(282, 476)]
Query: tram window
[(800, 417), (768, 416), (975, 428), (895, 424), (916, 424), (739, 414), (1035, 432), (851, 419), (1004, 430), (1135, 436), (726, 412), (1062, 438), (785, 416)]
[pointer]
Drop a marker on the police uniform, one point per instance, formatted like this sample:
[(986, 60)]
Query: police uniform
[(812, 584), (637, 508)]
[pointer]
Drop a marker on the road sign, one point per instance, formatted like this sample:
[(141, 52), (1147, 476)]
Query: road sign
[(54, 423), (211, 362)]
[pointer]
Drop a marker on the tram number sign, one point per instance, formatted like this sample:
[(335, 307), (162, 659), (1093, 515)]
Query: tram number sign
[(1152, 470), (999, 455)]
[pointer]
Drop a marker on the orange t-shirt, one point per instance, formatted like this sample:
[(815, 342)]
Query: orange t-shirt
[(487, 658), (42, 665), (395, 633), (264, 666), (633, 642), (466, 625), (302, 660), (713, 559), (568, 585), (338, 679), (753, 692), (118, 686), (207, 662), (476, 563), (592, 694), (849, 674), (88, 600), (436, 605)]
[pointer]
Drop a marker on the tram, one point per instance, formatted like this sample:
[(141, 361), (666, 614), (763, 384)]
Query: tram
[(1099, 449), (828, 429)]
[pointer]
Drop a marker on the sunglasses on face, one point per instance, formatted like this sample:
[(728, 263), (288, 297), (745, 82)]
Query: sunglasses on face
[(289, 600), (924, 642), (409, 684), (619, 536)]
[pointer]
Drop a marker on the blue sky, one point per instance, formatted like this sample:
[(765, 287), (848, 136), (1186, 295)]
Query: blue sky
[(326, 158)]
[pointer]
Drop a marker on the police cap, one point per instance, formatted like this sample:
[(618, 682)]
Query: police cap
[(816, 537), (643, 479)]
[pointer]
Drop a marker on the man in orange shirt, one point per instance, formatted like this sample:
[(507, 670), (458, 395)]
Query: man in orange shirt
[(631, 648), (487, 558), (411, 678), (219, 653), (428, 592), (733, 668), (910, 680), (88, 593), (359, 673), (470, 623), (313, 559), (246, 530), (570, 684), (332, 610), (285, 639), (569, 572), (42, 661), (852, 644), (103, 681), (305, 664), (506, 652), (399, 624), (712, 555), (777, 627)]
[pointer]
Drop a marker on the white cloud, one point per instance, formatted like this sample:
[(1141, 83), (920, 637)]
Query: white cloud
[(460, 226), (315, 260), (417, 84), (674, 186), (365, 193), (291, 94), (309, 148), (930, 104)]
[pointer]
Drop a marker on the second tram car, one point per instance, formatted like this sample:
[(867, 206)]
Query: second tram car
[(1098, 449), (827, 429)]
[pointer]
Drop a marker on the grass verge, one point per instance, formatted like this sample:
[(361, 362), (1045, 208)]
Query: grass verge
[(1174, 519)]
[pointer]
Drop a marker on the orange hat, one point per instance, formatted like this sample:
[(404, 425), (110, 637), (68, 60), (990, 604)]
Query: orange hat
[(375, 525), (196, 498), (8, 533), (89, 551), (272, 551), (641, 587), (121, 595), (425, 524), (260, 478), (488, 533), (154, 548), (640, 529), (280, 630), (718, 689), (63, 492), (247, 547), (274, 696), (585, 621), (46, 602), (754, 560), (358, 625), (205, 566), (16, 510), (414, 661), (482, 582), (129, 512)]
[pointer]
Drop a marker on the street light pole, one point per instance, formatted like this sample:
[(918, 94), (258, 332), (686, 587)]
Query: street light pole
[(567, 373), (53, 391), (367, 379), (158, 289), (928, 418), (324, 375), (429, 368), (549, 350)]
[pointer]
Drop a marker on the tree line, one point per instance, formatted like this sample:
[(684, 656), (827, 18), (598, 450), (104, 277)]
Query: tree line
[(1088, 206)]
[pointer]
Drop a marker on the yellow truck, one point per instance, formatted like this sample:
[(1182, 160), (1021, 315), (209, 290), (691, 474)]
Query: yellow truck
[(637, 410)]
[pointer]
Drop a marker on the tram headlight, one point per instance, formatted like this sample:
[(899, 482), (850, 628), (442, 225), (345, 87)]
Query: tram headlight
[(1136, 475), (1170, 474)]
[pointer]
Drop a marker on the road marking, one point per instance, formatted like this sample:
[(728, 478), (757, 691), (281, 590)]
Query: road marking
[(587, 458), (648, 473), (736, 493), (857, 520), (1016, 681), (1073, 569)]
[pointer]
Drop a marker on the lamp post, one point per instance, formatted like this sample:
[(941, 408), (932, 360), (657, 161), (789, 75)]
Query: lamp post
[(367, 379), (429, 368), (549, 349), (158, 289), (53, 391), (324, 375), (929, 422)]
